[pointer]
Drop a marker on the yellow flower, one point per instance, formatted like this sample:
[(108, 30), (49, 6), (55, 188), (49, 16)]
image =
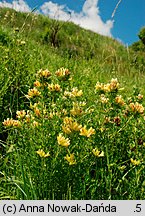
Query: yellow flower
[(63, 141), (114, 84), (98, 153), (104, 99), (37, 83), (54, 87), (135, 162), (70, 125), (11, 123), (139, 96), (76, 110), (37, 112), (70, 159), (99, 86), (33, 92), (87, 133), (16, 123), (35, 124), (66, 129), (44, 73), (76, 93), (119, 100), (136, 107), (21, 114), (62, 72), (41, 153), (107, 87)]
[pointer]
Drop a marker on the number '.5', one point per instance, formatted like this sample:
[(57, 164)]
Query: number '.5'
[(138, 207)]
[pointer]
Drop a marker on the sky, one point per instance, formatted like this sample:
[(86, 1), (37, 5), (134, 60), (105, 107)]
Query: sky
[(120, 19)]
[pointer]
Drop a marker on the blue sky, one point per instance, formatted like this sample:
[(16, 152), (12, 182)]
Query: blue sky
[(95, 15)]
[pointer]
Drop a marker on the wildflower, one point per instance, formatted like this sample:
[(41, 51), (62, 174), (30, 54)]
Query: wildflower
[(70, 159), (119, 100), (99, 86), (11, 123), (76, 93), (33, 92), (104, 99), (67, 120), (114, 84), (62, 72), (136, 107), (27, 118), (70, 125), (87, 133), (66, 129), (44, 73), (67, 94), (135, 162), (35, 124), (76, 110), (63, 141), (37, 83), (98, 153), (140, 97), (107, 87), (21, 114), (54, 87), (41, 153), (37, 112)]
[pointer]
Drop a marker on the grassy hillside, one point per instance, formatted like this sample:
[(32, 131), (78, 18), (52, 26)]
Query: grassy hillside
[(113, 114)]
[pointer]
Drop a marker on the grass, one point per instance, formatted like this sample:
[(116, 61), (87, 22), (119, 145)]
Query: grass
[(72, 115)]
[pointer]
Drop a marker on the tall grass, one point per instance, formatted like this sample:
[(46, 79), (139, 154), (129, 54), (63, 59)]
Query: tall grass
[(75, 133)]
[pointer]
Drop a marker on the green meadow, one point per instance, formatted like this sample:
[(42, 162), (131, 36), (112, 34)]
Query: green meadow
[(72, 123)]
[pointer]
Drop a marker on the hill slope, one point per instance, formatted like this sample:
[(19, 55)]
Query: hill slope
[(74, 134)]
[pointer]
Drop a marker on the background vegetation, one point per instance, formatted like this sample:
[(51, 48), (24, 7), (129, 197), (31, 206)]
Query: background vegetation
[(73, 138)]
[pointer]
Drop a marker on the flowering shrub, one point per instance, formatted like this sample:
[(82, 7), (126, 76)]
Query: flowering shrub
[(62, 149)]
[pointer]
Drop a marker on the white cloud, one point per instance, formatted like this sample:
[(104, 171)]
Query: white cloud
[(18, 5), (88, 18)]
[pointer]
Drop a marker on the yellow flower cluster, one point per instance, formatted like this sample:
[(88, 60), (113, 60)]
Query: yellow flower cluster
[(119, 100), (104, 99), (43, 73), (76, 110), (136, 107), (11, 123), (41, 153), (98, 153), (21, 114), (140, 96), (54, 87), (113, 85), (70, 159), (135, 162), (62, 72), (33, 93), (37, 83), (63, 141), (37, 112), (70, 125), (74, 93), (87, 133)]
